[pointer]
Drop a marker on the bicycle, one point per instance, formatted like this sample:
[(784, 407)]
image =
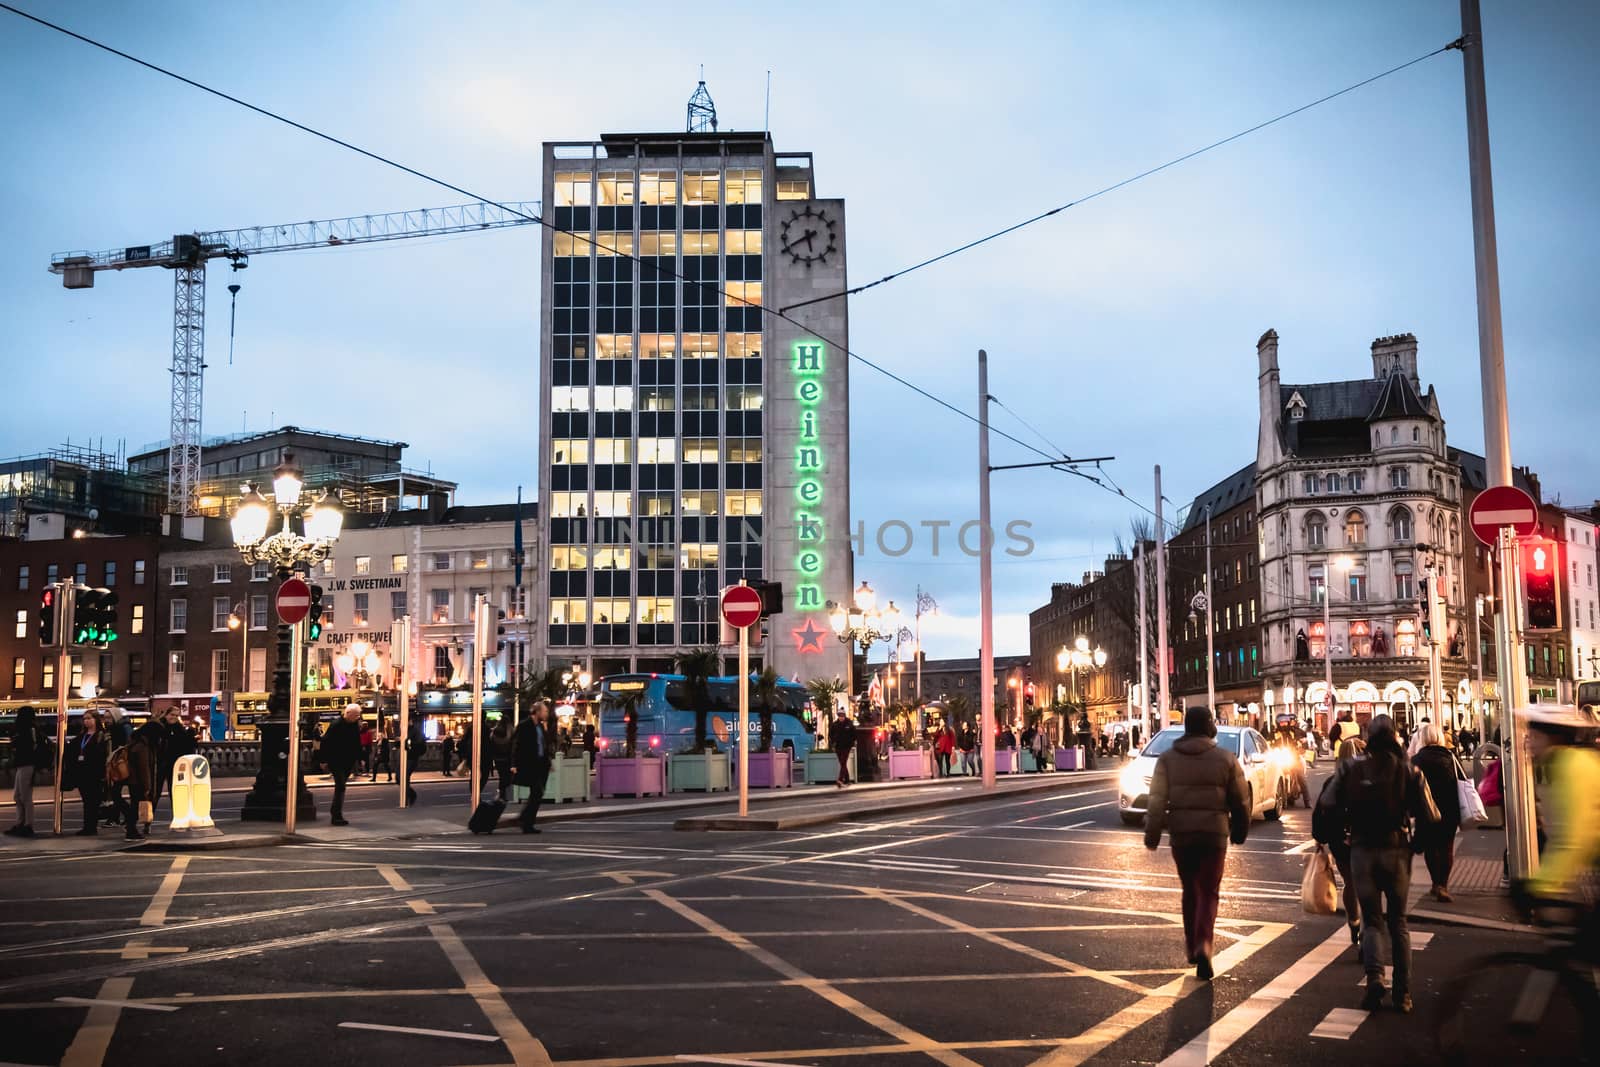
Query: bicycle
[(1526, 1007)]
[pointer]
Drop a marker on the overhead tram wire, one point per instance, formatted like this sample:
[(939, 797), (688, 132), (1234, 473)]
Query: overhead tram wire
[(510, 211), (1014, 227)]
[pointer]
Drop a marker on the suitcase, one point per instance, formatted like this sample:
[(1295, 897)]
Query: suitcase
[(487, 816)]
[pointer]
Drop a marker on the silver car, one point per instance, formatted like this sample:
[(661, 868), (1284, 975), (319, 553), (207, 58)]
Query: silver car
[(1266, 788)]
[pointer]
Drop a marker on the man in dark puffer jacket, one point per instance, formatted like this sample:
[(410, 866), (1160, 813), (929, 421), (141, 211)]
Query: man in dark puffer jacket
[(1198, 795)]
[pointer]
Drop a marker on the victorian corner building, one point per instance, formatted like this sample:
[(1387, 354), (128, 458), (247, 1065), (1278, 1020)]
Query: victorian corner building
[(690, 437), (1355, 498)]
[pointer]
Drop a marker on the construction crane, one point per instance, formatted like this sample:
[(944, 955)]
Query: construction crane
[(186, 256)]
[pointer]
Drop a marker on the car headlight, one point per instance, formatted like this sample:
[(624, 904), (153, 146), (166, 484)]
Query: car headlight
[(1134, 781)]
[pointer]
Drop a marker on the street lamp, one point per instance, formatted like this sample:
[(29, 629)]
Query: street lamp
[(285, 551), (1080, 657), (862, 622)]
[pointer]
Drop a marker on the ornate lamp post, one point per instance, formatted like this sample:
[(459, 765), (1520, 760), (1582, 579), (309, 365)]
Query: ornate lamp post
[(285, 551), (862, 623), (1080, 657)]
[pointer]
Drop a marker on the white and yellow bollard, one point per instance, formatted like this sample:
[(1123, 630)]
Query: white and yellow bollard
[(191, 794)]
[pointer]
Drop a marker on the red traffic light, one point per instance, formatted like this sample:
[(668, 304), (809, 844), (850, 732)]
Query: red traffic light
[(1541, 597)]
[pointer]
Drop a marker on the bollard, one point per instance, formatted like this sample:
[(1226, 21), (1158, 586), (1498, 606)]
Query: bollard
[(191, 795)]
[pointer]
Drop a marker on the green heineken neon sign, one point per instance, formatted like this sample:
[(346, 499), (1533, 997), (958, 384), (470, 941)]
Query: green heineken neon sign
[(809, 464)]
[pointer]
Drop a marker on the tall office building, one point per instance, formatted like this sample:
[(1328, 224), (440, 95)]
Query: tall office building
[(690, 437)]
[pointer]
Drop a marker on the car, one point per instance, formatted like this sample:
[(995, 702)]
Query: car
[(1266, 785)]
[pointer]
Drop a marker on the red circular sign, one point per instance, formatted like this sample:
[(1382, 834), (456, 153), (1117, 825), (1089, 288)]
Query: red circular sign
[(741, 606), (1502, 505), (294, 600)]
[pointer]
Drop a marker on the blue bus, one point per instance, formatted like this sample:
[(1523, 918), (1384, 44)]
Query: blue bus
[(666, 715)]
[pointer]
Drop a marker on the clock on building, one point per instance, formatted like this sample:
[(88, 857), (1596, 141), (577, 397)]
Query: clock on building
[(808, 236)]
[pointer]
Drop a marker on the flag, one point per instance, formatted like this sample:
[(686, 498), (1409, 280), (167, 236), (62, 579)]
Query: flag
[(516, 545), (875, 692)]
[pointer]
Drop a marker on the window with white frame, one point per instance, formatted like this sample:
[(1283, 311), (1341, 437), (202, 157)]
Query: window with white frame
[(1316, 530), (180, 576), (1399, 478), (138, 572), (397, 603), (441, 561), (260, 572), (439, 605), (358, 613), (222, 572), (258, 613), (1405, 585), (22, 623), (219, 670), (399, 563), (178, 616), (221, 608), (363, 564)]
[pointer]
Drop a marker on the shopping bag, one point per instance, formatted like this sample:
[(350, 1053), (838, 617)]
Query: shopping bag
[(1319, 895), (147, 812), (1473, 812)]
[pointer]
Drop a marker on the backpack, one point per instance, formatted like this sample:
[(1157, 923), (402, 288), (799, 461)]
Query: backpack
[(1327, 822), (1375, 797), (117, 770)]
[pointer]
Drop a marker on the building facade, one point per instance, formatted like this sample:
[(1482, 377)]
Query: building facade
[(1356, 493), (1103, 610), (690, 437)]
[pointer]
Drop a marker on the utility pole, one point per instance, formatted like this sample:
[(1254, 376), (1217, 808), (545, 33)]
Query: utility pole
[(986, 722), (1161, 609), (1520, 830)]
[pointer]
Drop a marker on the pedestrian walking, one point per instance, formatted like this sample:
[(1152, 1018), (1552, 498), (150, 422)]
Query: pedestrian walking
[(340, 751), (968, 743), (943, 747), (416, 748), (1328, 828), (530, 762), (29, 750), (369, 738), (842, 734), (383, 753), (144, 776), (1037, 746), (1197, 795), (1437, 840), (500, 755), (86, 769), (1379, 797), (447, 747)]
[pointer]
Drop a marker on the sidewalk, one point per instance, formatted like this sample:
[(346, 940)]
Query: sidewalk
[(1475, 884), (782, 809)]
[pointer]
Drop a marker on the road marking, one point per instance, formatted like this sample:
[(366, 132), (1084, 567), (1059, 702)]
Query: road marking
[(1304, 846), (736, 1063), (1341, 1023), (104, 1002), (419, 1031), (156, 913), (1079, 825), (629, 877), (89, 1044), (820, 987), (915, 864), (1220, 1035)]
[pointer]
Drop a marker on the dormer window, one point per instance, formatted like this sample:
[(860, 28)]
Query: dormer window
[(1297, 406)]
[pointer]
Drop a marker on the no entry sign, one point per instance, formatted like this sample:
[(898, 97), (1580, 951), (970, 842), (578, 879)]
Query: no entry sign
[(741, 606), (294, 600), (1502, 505)]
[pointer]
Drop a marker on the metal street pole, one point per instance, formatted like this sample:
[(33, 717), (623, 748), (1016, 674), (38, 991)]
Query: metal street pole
[(291, 795), (66, 600), (1211, 614), (480, 609), (1161, 607), (1477, 646), (1520, 830), (401, 643), (1327, 648), (986, 720), (744, 718)]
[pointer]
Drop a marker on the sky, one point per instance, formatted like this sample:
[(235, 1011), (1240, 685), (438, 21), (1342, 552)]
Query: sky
[(1122, 327)]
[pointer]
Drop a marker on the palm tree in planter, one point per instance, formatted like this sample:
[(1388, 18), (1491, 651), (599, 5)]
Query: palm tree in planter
[(825, 695), (698, 666), (544, 685), (764, 695), (628, 703), (958, 710)]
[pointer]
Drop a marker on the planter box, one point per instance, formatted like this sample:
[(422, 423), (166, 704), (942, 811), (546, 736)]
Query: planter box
[(1071, 759), (639, 776), (822, 768), (772, 770), (910, 763), (701, 771), (569, 779), (1005, 761), (1031, 765)]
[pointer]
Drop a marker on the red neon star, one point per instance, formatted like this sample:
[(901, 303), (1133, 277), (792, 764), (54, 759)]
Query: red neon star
[(809, 637)]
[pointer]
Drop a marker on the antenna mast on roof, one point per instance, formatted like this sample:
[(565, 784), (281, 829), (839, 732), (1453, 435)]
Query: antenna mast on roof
[(702, 114)]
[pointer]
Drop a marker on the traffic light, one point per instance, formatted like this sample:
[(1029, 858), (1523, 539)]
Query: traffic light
[(49, 630), (314, 615), (771, 594), (1541, 598), (94, 617), (499, 631), (1427, 614)]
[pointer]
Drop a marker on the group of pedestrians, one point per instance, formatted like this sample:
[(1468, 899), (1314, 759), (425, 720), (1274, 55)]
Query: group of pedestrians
[(118, 774)]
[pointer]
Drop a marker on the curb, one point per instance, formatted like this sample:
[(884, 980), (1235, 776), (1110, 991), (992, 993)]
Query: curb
[(801, 820), (1441, 918), (212, 844)]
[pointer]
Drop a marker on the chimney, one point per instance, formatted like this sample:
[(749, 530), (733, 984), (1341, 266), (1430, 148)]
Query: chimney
[(1269, 443)]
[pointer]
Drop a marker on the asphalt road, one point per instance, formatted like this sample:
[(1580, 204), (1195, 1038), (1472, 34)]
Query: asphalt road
[(1031, 929)]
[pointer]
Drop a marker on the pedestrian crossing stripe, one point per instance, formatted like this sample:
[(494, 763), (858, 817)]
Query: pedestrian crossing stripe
[(1340, 1024)]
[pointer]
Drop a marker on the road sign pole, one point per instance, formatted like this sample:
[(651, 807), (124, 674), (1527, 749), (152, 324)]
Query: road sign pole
[(744, 720), (291, 783), (66, 607), (1521, 828)]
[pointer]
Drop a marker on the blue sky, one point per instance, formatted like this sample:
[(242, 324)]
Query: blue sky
[(1125, 327)]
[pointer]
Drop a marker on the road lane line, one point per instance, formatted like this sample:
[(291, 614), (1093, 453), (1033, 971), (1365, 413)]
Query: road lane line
[(156, 913), (104, 1002), (419, 1031), (1220, 1035), (820, 987), (89, 1044), (1341, 1023), (734, 1062)]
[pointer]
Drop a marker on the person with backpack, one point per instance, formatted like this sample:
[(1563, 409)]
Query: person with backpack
[(1379, 798), (1328, 828), (1197, 794), (29, 750)]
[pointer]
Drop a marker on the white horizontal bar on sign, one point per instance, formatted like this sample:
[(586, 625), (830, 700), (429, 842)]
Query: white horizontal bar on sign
[(1505, 517)]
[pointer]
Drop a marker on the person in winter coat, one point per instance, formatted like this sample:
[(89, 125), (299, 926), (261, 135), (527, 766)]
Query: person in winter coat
[(447, 748), (530, 762), (341, 751), (416, 748), (943, 747), (1037, 745), (383, 755), (86, 769), (28, 750), (177, 741), (842, 735), (144, 775), (968, 743), (500, 756), (1328, 828), (1378, 797), (1197, 795), (1438, 839)]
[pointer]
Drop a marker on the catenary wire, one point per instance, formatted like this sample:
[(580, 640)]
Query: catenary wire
[(539, 219), (1014, 227)]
